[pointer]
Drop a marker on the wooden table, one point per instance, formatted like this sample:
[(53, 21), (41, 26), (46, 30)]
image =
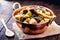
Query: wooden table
[(6, 11)]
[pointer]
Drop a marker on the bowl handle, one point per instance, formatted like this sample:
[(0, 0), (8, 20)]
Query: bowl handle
[(52, 19), (16, 5)]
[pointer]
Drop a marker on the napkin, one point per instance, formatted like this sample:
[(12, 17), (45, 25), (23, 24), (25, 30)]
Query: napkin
[(53, 29)]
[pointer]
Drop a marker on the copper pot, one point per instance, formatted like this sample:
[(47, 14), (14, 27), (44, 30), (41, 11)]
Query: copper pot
[(31, 28)]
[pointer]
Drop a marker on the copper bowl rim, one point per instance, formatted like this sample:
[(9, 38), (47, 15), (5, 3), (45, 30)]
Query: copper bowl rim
[(18, 9)]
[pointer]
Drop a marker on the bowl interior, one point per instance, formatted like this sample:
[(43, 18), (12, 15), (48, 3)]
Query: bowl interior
[(24, 7)]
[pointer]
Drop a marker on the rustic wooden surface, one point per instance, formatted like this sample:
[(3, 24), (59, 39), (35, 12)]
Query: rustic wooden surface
[(6, 11)]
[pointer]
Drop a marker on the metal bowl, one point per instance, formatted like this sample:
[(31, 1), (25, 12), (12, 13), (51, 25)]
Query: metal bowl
[(31, 28)]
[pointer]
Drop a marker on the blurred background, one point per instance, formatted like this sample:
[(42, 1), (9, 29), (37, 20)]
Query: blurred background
[(56, 2)]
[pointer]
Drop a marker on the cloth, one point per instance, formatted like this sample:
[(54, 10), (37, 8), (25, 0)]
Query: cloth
[(53, 29)]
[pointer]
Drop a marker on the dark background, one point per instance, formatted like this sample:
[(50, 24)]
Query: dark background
[(55, 2)]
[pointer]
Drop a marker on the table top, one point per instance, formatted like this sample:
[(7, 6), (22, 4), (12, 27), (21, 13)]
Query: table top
[(6, 11)]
